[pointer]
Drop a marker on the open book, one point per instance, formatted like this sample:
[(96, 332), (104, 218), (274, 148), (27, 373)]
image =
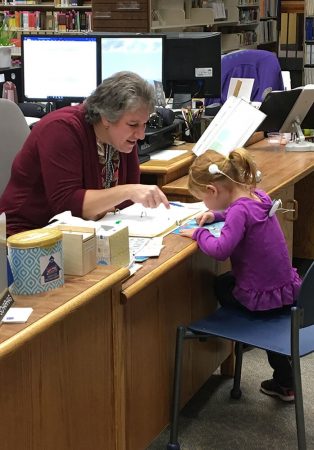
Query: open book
[(150, 222)]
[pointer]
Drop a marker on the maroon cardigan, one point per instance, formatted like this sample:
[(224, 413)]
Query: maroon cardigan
[(56, 165)]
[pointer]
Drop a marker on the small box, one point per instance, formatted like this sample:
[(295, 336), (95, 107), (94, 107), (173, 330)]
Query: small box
[(113, 245), (79, 249)]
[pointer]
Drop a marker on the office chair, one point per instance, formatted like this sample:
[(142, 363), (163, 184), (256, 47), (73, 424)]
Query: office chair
[(289, 333), (261, 65), (13, 131)]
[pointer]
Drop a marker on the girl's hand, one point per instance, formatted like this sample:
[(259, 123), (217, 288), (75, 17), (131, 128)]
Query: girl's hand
[(187, 233), (205, 217)]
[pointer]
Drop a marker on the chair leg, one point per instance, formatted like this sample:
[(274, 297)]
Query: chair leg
[(236, 391), (173, 443), (299, 410), (296, 369)]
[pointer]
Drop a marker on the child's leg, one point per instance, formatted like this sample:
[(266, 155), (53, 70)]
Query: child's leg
[(282, 369), (223, 287)]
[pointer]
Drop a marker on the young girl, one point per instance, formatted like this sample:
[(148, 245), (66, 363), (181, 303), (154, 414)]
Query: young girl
[(262, 277)]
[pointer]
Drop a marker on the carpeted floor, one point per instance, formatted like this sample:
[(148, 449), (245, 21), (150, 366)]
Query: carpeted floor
[(213, 421)]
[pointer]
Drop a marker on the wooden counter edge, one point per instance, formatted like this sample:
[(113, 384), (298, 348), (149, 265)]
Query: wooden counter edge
[(150, 277), (34, 329), (162, 169)]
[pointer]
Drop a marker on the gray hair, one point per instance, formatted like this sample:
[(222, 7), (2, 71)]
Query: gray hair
[(123, 91)]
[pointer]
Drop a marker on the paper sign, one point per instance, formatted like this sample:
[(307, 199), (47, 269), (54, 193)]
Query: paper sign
[(245, 90)]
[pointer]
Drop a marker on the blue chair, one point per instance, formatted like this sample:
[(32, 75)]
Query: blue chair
[(289, 333)]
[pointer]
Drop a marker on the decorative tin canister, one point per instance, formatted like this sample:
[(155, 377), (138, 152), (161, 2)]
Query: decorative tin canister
[(36, 260)]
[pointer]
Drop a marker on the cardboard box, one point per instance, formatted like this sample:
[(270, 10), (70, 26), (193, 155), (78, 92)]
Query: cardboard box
[(113, 245), (79, 249)]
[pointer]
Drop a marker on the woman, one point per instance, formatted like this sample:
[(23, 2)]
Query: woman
[(83, 158)]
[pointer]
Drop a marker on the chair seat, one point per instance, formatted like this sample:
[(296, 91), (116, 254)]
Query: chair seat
[(249, 328)]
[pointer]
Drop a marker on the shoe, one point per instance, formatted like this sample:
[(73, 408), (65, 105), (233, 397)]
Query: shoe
[(271, 387)]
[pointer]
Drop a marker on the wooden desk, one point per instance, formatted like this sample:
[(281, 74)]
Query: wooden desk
[(60, 377), (285, 175), (171, 290), (163, 172), (94, 368)]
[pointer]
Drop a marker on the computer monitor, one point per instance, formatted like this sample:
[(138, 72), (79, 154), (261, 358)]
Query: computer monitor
[(139, 53), (193, 64), (59, 68), (285, 108)]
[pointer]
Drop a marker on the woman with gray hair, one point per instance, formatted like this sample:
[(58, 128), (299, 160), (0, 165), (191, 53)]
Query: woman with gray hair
[(83, 158)]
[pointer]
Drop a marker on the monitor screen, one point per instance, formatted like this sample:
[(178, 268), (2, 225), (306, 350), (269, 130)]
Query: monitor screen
[(139, 53), (283, 108), (193, 64), (58, 68)]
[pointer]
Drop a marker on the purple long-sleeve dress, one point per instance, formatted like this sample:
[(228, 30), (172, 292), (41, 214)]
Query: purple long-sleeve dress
[(259, 256)]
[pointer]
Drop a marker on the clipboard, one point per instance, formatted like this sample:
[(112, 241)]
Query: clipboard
[(150, 222), (231, 127)]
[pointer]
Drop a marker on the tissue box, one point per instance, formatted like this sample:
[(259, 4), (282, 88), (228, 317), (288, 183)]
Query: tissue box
[(79, 249), (113, 245)]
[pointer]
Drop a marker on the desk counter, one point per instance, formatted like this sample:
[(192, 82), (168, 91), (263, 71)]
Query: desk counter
[(173, 289), (60, 385), (163, 172), (285, 175)]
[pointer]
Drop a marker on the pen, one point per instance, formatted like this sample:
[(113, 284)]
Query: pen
[(176, 204)]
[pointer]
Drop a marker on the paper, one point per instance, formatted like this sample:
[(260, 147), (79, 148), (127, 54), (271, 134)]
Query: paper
[(245, 90), (152, 248), (231, 127), (214, 228), (17, 315), (31, 120), (150, 222), (166, 155)]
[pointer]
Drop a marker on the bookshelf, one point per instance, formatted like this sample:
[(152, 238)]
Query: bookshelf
[(309, 42), (243, 23), (48, 17)]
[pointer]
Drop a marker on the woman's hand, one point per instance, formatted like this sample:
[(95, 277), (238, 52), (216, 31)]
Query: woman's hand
[(150, 196), (205, 217), (98, 202), (187, 233)]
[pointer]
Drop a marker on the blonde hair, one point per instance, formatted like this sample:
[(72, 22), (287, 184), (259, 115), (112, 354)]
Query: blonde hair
[(239, 166)]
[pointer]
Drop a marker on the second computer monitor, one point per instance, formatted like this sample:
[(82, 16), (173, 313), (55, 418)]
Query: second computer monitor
[(139, 53), (193, 64)]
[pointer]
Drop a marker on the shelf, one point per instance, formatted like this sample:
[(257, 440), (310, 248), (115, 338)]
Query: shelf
[(43, 7), (263, 19), (255, 5)]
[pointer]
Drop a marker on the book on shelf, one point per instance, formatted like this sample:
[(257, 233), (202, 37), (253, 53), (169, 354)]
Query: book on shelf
[(309, 28)]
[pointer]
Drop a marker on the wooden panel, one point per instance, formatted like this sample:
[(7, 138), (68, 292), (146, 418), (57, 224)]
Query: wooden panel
[(304, 230), (291, 6), (152, 316), (59, 387), (120, 16), (119, 25), (286, 195), (123, 5)]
